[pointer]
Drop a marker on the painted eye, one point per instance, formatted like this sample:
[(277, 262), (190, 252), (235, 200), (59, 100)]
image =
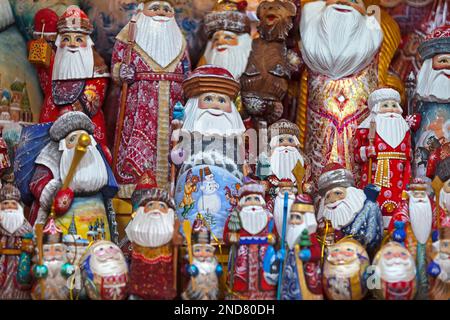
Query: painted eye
[(207, 99), (222, 100), (291, 140), (385, 105), (66, 39), (228, 38), (281, 140), (79, 40)]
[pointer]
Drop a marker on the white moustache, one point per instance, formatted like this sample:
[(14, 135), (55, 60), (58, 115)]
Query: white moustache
[(216, 112), (397, 262), (160, 18), (222, 46), (334, 205)]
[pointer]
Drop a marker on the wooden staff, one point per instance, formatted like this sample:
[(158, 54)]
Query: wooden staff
[(187, 233), (372, 132), (80, 150), (124, 90), (39, 237)]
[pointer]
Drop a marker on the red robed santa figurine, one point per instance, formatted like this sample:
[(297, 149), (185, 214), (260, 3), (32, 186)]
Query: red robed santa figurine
[(151, 233), (77, 77), (383, 140), (151, 58), (248, 231)]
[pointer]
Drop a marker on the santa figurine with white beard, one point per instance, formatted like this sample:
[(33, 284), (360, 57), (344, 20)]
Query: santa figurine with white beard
[(157, 65), (302, 276), (350, 211), (228, 29), (389, 148), (15, 231), (432, 89), (439, 268), (248, 229), (79, 76), (285, 154), (105, 272), (152, 233), (395, 271), (210, 108), (81, 204), (340, 43), (205, 269)]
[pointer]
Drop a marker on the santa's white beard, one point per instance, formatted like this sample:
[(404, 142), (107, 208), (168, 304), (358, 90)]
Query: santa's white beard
[(293, 232), (345, 210), (108, 268), (433, 85), (12, 219), (234, 58), (150, 230), (253, 218), (396, 269), (209, 121), (421, 217), (73, 65), (162, 41), (90, 175), (391, 130), (338, 44), (283, 160), (278, 210), (444, 200), (6, 14), (207, 266)]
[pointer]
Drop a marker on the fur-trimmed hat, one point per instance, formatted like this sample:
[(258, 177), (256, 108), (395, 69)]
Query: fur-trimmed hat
[(443, 169), (70, 122), (437, 42), (334, 175), (210, 78), (381, 95), (146, 191), (74, 20), (9, 192), (251, 186), (228, 15), (282, 127)]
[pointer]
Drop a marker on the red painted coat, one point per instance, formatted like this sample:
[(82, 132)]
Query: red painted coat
[(399, 172)]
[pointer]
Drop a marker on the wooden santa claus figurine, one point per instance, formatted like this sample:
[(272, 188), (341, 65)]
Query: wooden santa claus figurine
[(383, 147)]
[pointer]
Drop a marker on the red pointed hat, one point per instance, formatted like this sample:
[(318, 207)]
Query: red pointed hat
[(45, 21), (334, 175), (147, 190), (436, 42), (74, 20), (210, 78)]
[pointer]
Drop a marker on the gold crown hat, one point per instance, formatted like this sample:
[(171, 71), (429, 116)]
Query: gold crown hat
[(9, 192), (282, 127), (228, 15), (209, 78)]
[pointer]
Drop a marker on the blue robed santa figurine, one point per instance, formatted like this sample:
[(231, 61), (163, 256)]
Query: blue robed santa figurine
[(72, 175), (349, 211), (302, 276)]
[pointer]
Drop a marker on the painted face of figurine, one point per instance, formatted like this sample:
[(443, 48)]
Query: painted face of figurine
[(340, 205), (229, 50), (345, 6), (345, 263), (215, 101), (159, 9), (74, 57), (73, 40), (442, 62), (299, 221), (11, 215), (421, 215), (285, 156), (152, 225), (106, 259), (396, 263), (275, 19), (253, 214), (54, 252), (204, 258), (91, 174), (390, 106), (390, 124)]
